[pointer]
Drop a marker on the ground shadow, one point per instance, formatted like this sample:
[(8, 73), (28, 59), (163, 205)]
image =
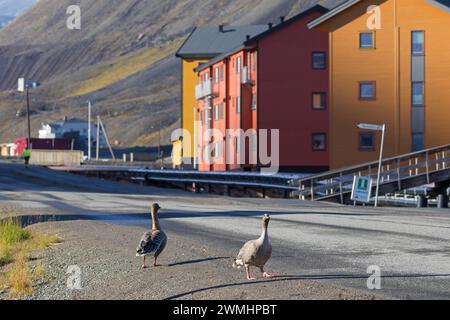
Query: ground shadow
[(283, 278), (197, 261)]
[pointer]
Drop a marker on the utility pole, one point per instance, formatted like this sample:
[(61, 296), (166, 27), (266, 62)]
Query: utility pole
[(28, 119), (159, 146), (98, 138), (107, 139), (89, 130)]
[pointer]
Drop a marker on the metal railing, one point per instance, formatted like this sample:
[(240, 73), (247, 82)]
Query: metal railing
[(398, 173), (204, 89)]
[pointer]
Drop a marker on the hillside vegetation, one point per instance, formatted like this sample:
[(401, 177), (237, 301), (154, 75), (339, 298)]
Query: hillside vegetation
[(122, 60)]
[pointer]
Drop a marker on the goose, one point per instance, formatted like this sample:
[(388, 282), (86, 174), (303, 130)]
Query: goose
[(152, 242), (256, 253)]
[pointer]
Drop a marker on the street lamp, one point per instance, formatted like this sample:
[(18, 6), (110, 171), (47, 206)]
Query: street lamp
[(159, 144), (382, 128), (25, 85)]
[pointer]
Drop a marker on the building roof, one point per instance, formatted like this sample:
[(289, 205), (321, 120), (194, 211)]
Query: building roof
[(249, 42), (301, 15), (442, 4), (210, 41)]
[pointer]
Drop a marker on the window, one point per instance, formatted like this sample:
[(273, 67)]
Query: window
[(366, 141), (319, 60), (216, 75), (254, 101), (418, 142), (222, 74), (222, 113), (418, 43), (367, 90), (319, 101), (216, 113), (254, 62), (206, 116), (418, 90), (206, 77), (238, 104), (238, 65), (367, 40), (319, 141)]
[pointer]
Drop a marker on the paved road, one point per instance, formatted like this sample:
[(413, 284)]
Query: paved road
[(311, 240)]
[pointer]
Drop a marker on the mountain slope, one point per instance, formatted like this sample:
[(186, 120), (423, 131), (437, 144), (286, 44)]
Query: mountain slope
[(13, 8), (122, 60)]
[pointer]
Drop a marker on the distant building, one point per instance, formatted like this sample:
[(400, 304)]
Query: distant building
[(20, 144), (76, 129)]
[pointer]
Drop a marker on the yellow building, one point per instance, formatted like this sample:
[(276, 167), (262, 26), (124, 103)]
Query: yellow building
[(389, 64), (203, 44)]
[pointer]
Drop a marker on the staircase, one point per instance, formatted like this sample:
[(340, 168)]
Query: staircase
[(398, 174)]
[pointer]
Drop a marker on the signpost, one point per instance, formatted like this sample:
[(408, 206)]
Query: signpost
[(362, 189), (382, 128)]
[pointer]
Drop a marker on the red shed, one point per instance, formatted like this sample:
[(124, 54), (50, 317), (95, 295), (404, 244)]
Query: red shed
[(42, 144)]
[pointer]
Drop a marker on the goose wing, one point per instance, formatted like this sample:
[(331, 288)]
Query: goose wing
[(151, 242), (248, 253)]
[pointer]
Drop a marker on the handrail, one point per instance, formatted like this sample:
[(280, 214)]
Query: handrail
[(363, 167)]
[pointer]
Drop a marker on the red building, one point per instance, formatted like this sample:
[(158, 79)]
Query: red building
[(42, 144), (276, 80)]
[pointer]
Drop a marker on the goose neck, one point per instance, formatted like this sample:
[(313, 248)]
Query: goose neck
[(155, 221)]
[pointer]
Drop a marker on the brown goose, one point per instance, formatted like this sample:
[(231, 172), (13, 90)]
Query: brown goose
[(152, 242), (256, 253)]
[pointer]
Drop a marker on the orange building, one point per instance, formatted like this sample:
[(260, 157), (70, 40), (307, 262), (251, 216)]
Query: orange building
[(389, 64)]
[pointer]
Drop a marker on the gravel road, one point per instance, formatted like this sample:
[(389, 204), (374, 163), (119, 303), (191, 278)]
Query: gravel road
[(321, 251)]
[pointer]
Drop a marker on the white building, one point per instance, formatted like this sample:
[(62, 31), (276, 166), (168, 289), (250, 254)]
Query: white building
[(68, 128)]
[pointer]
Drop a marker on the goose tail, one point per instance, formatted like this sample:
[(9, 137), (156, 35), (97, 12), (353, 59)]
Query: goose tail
[(238, 264)]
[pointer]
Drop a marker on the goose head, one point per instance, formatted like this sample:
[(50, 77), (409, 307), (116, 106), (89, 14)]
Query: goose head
[(266, 219), (155, 208)]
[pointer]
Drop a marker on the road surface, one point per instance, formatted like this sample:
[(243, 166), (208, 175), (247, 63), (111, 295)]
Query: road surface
[(330, 245)]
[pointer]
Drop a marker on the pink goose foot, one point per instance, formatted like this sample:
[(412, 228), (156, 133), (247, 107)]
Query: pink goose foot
[(249, 276)]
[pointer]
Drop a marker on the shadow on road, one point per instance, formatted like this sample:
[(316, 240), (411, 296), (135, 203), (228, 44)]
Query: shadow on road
[(282, 278), (197, 261)]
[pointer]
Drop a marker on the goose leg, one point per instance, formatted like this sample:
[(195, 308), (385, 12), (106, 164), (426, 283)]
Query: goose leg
[(143, 263), (247, 271), (265, 274), (154, 261)]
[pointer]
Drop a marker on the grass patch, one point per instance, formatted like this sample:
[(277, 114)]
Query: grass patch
[(16, 246), (120, 68), (11, 232)]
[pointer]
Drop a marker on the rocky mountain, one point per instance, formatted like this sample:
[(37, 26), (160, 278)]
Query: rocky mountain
[(10, 9), (122, 60)]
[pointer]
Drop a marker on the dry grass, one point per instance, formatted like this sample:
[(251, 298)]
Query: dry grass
[(123, 67), (16, 246)]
